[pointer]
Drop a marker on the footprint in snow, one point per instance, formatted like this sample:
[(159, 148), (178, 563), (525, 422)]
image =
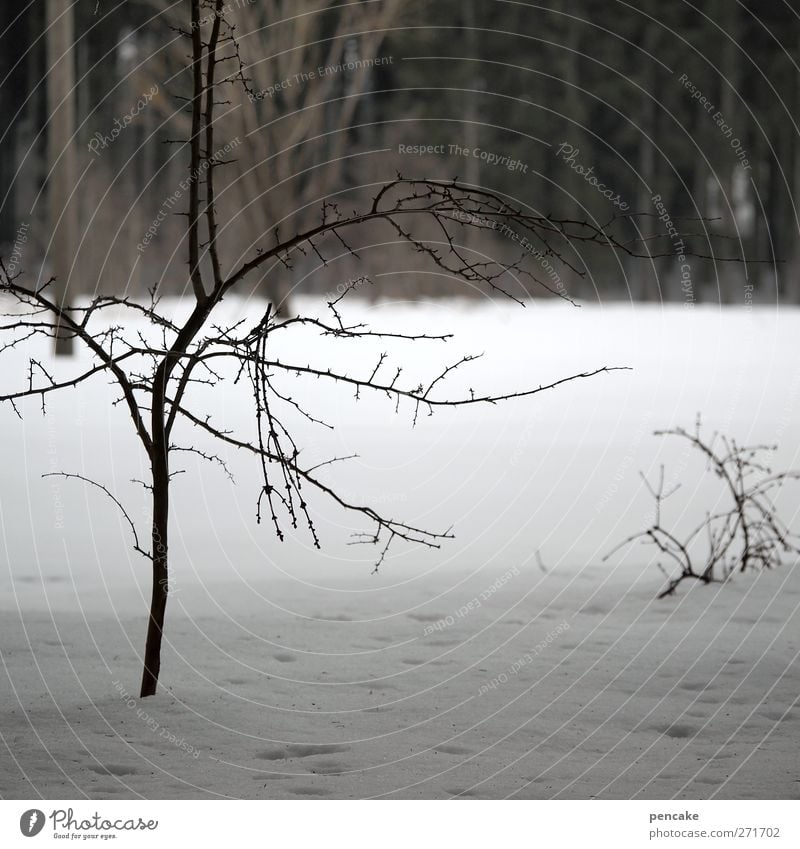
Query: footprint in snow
[(310, 791), (330, 768), (693, 686), (114, 769), (426, 617), (678, 730), (298, 750), (448, 749)]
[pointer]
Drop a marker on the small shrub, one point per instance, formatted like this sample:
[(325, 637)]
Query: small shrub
[(746, 534)]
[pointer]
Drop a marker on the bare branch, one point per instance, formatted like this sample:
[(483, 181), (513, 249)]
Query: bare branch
[(126, 516)]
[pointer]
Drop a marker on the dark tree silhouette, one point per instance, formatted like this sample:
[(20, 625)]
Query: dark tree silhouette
[(747, 534), (155, 372)]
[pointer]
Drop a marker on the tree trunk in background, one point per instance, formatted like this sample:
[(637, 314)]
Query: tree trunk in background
[(61, 153), (700, 202), (472, 174), (776, 245), (731, 284), (761, 241), (279, 294), (792, 282), (12, 95), (646, 274), (572, 105)]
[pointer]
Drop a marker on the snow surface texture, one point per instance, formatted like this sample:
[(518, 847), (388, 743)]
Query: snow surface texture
[(476, 670)]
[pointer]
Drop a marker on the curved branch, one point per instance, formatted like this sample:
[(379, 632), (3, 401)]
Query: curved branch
[(116, 501)]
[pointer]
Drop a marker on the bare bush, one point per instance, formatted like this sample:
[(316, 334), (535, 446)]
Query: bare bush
[(747, 534)]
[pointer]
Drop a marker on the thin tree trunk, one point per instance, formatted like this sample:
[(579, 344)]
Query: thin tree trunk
[(160, 554), (160, 424)]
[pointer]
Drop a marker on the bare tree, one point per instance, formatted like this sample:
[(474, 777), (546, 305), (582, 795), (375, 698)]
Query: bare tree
[(747, 534), (156, 371)]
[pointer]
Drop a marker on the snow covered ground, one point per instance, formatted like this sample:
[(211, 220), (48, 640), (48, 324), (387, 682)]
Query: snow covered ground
[(469, 671)]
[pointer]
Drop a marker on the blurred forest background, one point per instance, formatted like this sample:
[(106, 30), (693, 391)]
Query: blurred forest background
[(694, 104)]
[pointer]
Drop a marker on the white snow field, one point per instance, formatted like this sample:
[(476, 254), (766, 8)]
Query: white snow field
[(477, 670)]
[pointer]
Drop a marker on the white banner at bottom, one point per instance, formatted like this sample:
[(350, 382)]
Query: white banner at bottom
[(403, 824)]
